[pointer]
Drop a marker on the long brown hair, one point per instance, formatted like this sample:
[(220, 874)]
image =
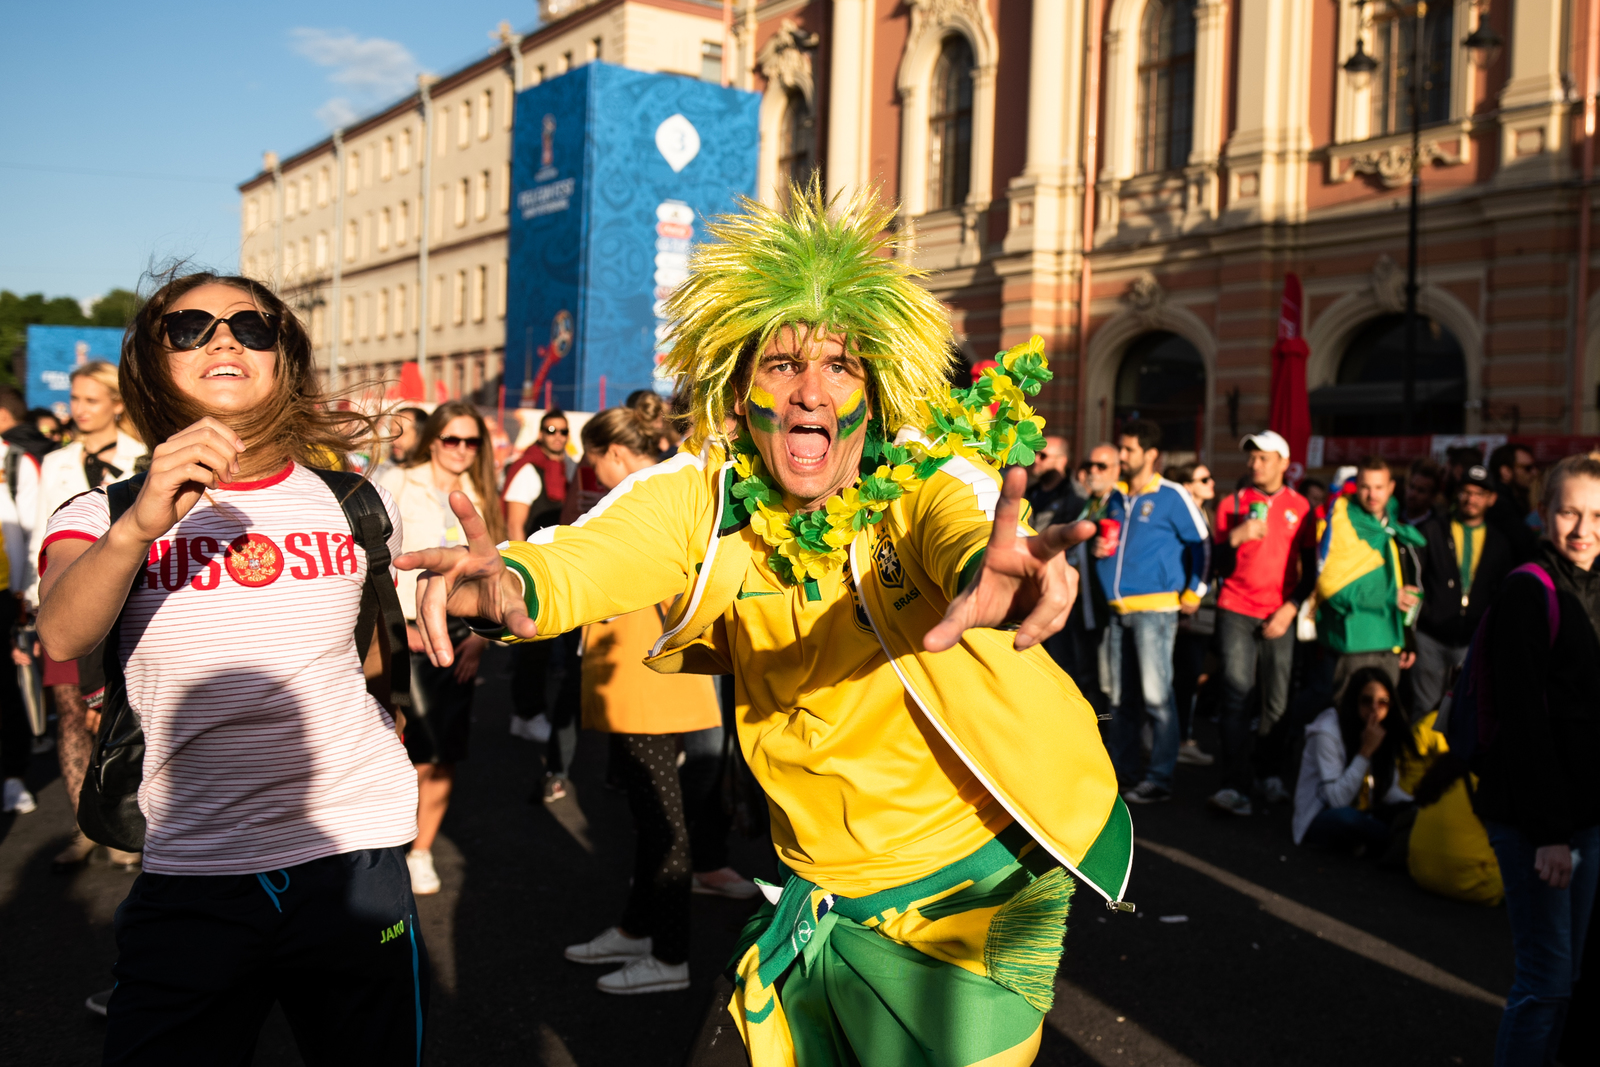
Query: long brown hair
[(482, 470), (636, 428), (296, 421)]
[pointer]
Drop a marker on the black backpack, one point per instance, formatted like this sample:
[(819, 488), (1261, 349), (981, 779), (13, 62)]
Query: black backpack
[(108, 806)]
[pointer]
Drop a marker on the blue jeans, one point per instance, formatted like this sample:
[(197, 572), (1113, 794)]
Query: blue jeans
[(1139, 656), (1548, 927), (1342, 829)]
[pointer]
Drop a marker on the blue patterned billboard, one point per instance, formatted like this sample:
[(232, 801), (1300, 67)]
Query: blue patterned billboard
[(614, 173), (53, 352)]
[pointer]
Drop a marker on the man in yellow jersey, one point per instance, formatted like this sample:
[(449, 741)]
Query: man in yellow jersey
[(840, 539)]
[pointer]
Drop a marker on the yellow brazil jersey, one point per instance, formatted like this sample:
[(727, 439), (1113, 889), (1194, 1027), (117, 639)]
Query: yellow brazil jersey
[(880, 758), (865, 794)]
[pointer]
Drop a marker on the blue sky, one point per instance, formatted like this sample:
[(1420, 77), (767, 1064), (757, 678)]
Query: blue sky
[(126, 127)]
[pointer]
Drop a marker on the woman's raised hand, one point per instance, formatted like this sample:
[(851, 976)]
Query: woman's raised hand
[(200, 457), (471, 582)]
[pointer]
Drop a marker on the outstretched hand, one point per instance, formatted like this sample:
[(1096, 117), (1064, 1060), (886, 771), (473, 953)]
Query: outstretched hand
[(1022, 579), (470, 582)]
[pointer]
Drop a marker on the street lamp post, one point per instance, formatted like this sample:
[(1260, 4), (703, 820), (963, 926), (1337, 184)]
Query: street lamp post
[(1484, 44)]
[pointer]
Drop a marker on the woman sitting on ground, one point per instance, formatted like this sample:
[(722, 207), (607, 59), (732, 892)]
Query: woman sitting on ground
[(1349, 784)]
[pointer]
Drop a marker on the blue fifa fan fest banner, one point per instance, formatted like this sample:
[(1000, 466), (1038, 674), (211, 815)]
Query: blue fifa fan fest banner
[(54, 352), (614, 174)]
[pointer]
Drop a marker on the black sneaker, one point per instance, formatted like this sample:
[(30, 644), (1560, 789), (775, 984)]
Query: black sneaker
[(1147, 792)]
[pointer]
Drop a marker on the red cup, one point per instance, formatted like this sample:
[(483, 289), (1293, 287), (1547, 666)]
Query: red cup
[(1111, 532)]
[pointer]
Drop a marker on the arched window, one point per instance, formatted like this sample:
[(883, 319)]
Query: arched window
[(1369, 395), (1391, 82), (1166, 85), (797, 141), (950, 126), (1163, 378)]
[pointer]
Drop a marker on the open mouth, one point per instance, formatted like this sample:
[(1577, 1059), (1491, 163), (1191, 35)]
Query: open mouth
[(808, 446), (225, 370)]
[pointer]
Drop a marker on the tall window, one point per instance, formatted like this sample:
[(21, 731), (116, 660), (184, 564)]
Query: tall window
[(1166, 85), (383, 230), (464, 130), (322, 249), (324, 180), (352, 177), (305, 194), (383, 313), (458, 299), (480, 198), (797, 145), (352, 240), (400, 323), (347, 322), (386, 158), (505, 188), (405, 150), (1391, 83), (950, 126), (291, 199), (463, 189), (711, 61), (402, 229), (485, 113), (480, 293)]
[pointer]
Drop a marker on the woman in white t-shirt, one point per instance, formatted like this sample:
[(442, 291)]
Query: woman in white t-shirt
[(451, 452), (276, 796)]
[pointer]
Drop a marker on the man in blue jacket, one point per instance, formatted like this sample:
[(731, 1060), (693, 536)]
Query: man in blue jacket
[(1153, 558)]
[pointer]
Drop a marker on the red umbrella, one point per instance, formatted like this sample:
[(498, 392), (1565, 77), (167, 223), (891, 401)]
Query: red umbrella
[(1291, 407)]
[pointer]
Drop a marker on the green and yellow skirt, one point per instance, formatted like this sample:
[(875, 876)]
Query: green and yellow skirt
[(953, 970)]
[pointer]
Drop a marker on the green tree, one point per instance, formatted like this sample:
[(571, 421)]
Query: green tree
[(117, 308), (17, 313)]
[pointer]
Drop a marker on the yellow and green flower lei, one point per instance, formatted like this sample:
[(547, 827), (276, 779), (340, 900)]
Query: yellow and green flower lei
[(990, 421)]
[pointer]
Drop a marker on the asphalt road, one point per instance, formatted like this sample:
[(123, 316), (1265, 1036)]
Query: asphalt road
[(1245, 950)]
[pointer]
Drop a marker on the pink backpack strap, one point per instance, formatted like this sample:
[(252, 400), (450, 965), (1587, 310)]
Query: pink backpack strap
[(1552, 607)]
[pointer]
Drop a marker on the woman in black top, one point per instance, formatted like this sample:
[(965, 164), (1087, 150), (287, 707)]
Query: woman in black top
[(1539, 788)]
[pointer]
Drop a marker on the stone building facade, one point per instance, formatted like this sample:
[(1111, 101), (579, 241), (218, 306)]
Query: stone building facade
[(1131, 179)]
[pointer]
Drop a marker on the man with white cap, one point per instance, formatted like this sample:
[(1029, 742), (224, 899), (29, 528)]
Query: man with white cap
[(1266, 556)]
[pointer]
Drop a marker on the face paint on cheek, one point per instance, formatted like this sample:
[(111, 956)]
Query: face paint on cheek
[(763, 410), (853, 415)]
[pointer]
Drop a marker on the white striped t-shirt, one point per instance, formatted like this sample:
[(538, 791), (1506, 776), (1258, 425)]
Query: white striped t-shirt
[(263, 748)]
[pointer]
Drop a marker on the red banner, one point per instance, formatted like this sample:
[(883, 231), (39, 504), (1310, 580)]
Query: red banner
[(1290, 414)]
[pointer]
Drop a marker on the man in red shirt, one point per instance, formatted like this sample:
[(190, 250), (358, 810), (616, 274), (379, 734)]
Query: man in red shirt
[(1266, 549)]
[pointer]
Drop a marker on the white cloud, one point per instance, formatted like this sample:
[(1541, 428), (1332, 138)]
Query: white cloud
[(337, 112), (371, 70)]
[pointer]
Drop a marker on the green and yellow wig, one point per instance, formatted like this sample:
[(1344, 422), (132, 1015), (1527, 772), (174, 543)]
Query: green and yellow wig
[(819, 266)]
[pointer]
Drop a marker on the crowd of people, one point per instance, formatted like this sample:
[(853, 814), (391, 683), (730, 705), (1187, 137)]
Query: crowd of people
[(1329, 632), (1407, 659)]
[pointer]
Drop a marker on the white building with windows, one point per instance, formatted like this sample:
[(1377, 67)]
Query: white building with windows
[(1129, 178)]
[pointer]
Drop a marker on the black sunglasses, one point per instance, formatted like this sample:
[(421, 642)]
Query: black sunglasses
[(193, 328), (459, 442), (1098, 466), (552, 431)]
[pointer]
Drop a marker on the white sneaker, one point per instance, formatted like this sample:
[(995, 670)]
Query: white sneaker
[(1189, 752), (647, 975), (424, 879), (726, 882), (613, 946), (14, 797), (1274, 792), (1231, 801)]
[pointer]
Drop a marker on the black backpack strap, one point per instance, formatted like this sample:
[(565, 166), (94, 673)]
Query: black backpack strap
[(108, 803), (369, 523)]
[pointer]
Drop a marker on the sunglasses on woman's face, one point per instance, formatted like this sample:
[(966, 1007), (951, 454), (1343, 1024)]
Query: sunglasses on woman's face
[(461, 442), (193, 328)]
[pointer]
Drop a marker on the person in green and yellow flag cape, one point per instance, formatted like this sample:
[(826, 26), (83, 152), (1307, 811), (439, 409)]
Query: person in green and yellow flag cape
[(840, 538)]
